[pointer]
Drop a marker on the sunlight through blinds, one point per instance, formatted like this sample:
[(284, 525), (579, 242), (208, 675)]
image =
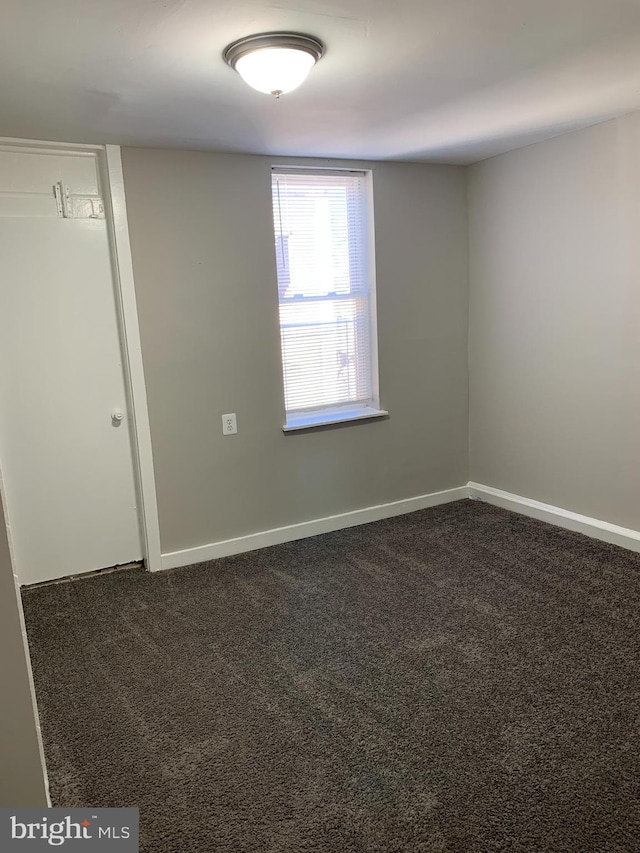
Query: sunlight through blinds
[(320, 222)]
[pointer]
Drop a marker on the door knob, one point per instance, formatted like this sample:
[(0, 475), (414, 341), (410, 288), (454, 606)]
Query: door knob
[(117, 415)]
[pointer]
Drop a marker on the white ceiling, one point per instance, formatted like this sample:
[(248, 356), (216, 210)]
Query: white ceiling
[(439, 80)]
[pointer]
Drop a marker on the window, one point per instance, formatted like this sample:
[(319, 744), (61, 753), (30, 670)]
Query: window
[(325, 287)]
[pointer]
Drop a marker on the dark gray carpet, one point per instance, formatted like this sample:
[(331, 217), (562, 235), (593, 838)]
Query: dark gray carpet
[(459, 679)]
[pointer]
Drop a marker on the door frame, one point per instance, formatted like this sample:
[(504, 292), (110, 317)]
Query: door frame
[(112, 187)]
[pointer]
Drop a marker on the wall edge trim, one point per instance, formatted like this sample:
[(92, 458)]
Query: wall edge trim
[(304, 529), (594, 527), (131, 347)]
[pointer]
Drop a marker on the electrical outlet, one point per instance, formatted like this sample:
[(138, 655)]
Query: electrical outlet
[(229, 424)]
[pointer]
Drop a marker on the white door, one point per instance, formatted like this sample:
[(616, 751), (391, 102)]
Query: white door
[(67, 464)]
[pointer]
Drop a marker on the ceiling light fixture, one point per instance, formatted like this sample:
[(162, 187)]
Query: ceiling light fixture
[(274, 63)]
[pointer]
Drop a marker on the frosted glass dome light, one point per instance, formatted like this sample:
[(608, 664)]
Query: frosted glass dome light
[(274, 63), (275, 70)]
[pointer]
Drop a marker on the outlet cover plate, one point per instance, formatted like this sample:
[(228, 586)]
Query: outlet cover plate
[(229, 424)]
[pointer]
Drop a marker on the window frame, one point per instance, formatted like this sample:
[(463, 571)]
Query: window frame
[(351, 411)]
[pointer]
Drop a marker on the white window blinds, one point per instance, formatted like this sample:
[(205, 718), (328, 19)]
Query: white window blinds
[(321, 244)]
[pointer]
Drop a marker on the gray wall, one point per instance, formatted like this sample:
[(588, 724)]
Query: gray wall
[(21, 770), (204, 266), (555, 321)]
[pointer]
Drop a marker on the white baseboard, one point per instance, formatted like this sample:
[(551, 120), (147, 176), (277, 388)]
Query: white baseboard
[(291, 532), (594, 527)]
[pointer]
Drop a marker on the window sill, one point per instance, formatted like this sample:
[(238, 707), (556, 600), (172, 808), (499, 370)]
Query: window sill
[(314, 419)]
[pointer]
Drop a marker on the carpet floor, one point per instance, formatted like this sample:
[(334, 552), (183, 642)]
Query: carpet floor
[(457, 680)]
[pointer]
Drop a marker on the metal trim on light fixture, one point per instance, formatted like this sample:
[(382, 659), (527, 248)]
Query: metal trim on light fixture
[(298, 41)]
